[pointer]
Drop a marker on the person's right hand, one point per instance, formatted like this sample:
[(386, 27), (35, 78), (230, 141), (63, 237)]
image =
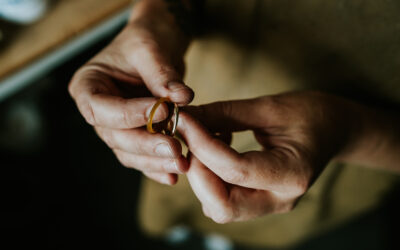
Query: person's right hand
[(116, 90), (300, 132)]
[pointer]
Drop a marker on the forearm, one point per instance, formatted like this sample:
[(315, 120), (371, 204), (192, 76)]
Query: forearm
[(376, 139)]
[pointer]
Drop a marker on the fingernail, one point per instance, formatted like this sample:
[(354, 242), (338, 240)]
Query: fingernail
[(176, 86), (163, 150)]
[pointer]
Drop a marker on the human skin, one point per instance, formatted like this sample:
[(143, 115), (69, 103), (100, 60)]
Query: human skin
[(116, 90), (300, 133)]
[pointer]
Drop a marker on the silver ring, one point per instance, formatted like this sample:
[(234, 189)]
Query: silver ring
[(176, 114)]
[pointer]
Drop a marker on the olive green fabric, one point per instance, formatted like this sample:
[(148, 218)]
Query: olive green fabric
[(265, 47)]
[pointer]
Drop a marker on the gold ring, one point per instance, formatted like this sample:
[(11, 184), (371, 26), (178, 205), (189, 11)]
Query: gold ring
[(168, 126)]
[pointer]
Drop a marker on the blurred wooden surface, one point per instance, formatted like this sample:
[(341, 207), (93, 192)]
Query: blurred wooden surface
[(65, 20)]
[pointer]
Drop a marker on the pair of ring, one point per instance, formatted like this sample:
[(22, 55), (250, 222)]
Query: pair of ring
[(168, 126)]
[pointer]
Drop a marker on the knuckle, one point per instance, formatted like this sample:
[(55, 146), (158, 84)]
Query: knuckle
[(108, 138), (126, 118), (137, 146), (89, 114), (301, 180), (274, 106), (165, 70), (164, 73), (301, 186), (237, 175), (74, 81), (146, 47), (71, 89), (272, 102), (123, 159), (232, 177)]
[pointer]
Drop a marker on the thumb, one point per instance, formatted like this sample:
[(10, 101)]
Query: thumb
[(161, 77), (229, 116)]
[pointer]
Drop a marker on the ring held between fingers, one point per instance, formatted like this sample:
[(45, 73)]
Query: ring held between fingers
[(117, 112)]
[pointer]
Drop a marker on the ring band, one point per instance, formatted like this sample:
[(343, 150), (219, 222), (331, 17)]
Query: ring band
[(176, 119), (169, 129)]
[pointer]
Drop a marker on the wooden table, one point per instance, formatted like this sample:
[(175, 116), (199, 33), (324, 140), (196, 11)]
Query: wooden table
[(68, 27)]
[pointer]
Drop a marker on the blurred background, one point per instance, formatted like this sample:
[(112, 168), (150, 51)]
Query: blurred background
[(60, 186)]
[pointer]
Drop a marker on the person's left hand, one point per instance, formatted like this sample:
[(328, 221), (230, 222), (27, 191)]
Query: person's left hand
[(300, 133)]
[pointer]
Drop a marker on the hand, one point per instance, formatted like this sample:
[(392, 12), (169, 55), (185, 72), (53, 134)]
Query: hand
[(300, 133), (116, 90)]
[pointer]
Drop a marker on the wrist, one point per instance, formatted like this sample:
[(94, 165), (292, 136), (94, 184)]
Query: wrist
[(357, 127), (374, 139)]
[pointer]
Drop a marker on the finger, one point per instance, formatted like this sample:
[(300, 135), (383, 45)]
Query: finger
[(226, 203), (152, 164), (141, 142), (211, 192), (239, 115), (258, 170), (162, 79), (115, 112), (212, 152), (101, 104), (163, 178)]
